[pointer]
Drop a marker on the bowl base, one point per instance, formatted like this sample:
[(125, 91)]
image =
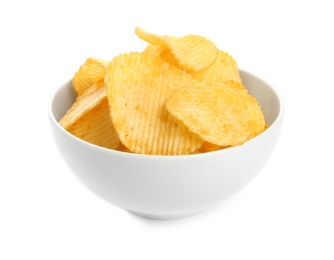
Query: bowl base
[(166, 217)]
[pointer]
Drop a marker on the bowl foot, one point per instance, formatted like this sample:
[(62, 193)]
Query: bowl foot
[(165, 217)]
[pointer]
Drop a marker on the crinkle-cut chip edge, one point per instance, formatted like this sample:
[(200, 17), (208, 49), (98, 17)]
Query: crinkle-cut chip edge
[(190, 52), (222, 70), (150, 37), (90, 72), (87, 101), (256, 117), (230, 113), (193, 52), (96, 127)]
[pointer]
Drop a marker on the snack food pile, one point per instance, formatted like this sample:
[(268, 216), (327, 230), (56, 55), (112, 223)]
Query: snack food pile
[(180, 95)]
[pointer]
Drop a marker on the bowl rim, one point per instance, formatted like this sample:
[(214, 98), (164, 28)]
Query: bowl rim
[(264, 134)]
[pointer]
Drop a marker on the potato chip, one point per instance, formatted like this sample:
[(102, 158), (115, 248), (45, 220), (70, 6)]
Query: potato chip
[(152, 38), (256, 116), (92, 71), (214, 112), (224, 69), (154, 50), (237, 86), (123, 148), (137, 88), (89, 118), (209, 147), (193, 52), (163, 53), (190, 52)]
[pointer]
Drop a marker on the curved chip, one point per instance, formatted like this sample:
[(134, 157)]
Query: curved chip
[(154, 50), (137, 88), (162, 52), (90, 72), (190, 52), (256, 117), (123, 148), (151, 38), (224, 69), (89, 118), (214, 112)]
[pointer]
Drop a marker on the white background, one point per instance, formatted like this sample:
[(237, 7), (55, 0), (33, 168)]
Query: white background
[(287, 212)]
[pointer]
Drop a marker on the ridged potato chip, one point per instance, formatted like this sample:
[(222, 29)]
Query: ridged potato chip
[(89, 118), (193, 52), (154, 50), (90, 72), (224, 69), (216, 113), (163, 53), (138, 85), (190, 52), (256, 117), (152, 38)]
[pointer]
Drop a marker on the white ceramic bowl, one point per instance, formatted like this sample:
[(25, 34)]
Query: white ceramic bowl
[(168, 187)]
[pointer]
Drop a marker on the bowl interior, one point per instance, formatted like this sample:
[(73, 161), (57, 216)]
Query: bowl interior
[(267, 98), (62, 100)]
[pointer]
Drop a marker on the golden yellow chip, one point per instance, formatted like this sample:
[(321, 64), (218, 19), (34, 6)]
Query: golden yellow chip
[(162, 52), (209, 147), (151, 38), (154, 50), (89, 118), (256, 117), (237, 86), (90, 72), (123, 148), (214, 112), (190, 52), (137, 88), (224, 69)]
